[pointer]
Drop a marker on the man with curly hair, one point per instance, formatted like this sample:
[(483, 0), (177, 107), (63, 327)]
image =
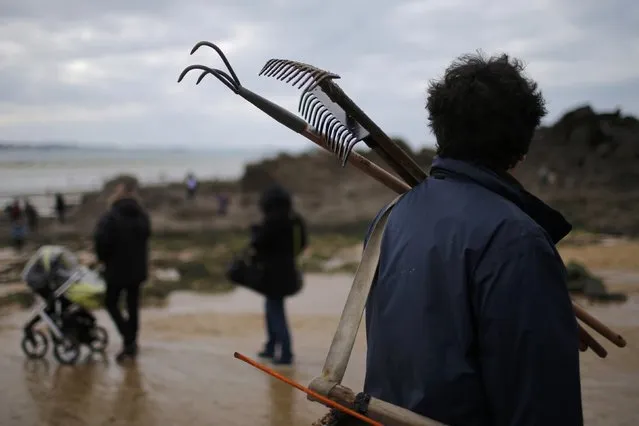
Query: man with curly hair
[(469, 321)]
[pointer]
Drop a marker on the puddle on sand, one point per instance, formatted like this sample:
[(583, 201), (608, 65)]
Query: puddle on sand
[(186, 373)]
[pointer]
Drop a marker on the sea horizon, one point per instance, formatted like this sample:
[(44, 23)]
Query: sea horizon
[(40, 172)]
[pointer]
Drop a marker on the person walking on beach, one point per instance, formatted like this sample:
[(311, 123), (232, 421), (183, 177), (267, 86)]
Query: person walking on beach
[(222, 203), (18, 225), (32, 215), (121, 244), (277, 242), (60, 207), (191, 186), (469, 321)]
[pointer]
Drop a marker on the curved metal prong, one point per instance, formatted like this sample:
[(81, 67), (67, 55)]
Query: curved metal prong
[(224, 78), (220, 75), (351, 146), (302, 105), (235, 79)]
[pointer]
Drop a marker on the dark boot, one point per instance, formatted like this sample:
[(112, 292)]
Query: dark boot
[(268, 352), (129, 351), (285, 359)]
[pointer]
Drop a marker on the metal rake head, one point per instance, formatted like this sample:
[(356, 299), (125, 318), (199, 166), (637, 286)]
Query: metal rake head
[(297, 73), (341, 132), (229, 79)]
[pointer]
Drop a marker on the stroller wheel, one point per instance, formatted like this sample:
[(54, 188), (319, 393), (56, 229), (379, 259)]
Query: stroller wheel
[(100, 339), (35, 344), (66, 351)]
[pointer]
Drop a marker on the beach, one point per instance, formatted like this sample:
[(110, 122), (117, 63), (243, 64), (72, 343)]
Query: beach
[(186, 373), (193, 320)]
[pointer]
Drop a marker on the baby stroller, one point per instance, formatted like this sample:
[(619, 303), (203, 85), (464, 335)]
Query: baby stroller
[(59, 283)]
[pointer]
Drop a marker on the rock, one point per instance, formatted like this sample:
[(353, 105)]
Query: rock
[(581, 281), (168, 275)]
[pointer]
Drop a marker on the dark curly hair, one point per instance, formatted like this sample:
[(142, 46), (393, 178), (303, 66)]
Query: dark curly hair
[(485, 111)]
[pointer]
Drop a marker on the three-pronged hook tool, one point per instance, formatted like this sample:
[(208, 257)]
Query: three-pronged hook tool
[(326, 107), (283, 116)]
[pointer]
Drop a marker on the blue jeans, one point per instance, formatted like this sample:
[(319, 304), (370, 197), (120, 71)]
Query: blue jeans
[(277, 328)]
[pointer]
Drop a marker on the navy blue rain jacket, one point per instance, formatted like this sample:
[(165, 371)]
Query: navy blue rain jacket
[(469, 321)]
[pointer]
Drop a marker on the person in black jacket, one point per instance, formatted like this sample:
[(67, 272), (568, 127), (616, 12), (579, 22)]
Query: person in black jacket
[(121, 244), (32, 215), (277, 241), (469, 321), (60, 207)]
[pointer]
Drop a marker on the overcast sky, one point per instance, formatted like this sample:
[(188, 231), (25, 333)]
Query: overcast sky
[(100, 72)]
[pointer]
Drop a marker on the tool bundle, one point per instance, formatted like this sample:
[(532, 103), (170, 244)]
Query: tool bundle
[(333, 121)]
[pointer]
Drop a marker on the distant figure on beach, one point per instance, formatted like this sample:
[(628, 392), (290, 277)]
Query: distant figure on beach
[(222, 203), (18, 225), (60, 207), (121, 242), (32, 215), (277, 242), (191, 186)]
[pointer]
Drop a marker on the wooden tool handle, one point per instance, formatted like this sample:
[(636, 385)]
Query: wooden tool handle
[(598, 326), (589, 342)]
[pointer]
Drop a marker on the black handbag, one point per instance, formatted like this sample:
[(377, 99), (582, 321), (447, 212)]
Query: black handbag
[(299, 284), (245, 271)]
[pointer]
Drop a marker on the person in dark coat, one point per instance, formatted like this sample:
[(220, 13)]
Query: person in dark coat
[(277, 242), (121, 244), (60, 207), (32, 215), (469, 321), (191, 186), (18, 225)]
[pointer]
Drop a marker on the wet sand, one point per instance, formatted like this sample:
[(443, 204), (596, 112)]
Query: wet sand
[(186, 373)]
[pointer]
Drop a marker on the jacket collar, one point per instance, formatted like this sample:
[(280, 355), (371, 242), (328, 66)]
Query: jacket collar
[(508, 187)]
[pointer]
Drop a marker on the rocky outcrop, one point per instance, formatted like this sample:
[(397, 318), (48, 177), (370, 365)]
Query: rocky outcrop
[(587, 165)]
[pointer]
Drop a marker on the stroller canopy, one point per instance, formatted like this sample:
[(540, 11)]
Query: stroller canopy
[(50, 266)]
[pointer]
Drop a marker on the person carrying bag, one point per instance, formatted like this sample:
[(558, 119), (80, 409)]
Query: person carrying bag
[(269, 267)]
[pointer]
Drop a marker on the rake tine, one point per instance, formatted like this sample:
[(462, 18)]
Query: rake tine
[(290, 71), (306, 75), (303, 80), (235, 79), (314, 107), (266, 65), (335, 132), (278, 67), (344, 151), (309, 107), (296, 72), (324, 118), (341, 134), (351, 146), (302, 105)]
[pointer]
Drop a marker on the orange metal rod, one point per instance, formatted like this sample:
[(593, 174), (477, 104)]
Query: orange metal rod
[(306, 390)]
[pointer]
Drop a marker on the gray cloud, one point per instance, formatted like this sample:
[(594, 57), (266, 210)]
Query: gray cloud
[(106, 71)]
